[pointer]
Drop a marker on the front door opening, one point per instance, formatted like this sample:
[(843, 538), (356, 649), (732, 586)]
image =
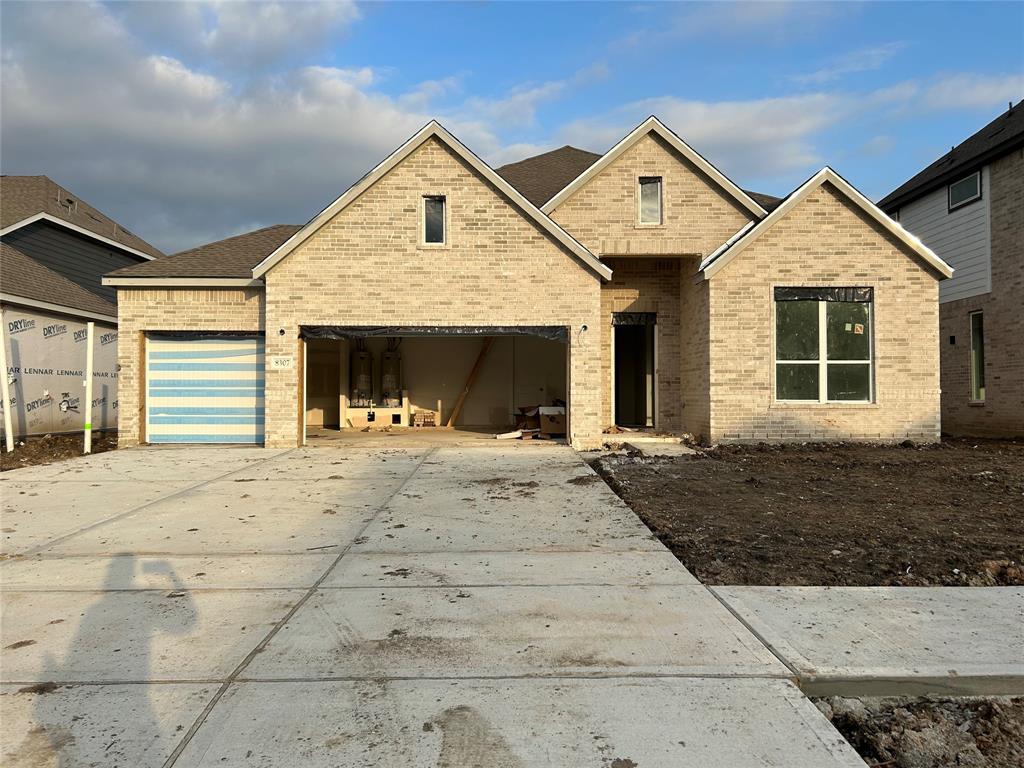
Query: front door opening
[(634, 370)]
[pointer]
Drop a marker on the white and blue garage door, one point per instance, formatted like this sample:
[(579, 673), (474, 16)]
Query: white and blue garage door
[(204, 390)]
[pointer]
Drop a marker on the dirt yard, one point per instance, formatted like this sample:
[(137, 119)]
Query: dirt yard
[(849, 514), (29, 451), (931, 733)]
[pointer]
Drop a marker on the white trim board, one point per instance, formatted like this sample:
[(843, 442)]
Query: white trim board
[(8, 298), (723, 255), (654, 125), (183, 282), (433, 129), (74, 228)]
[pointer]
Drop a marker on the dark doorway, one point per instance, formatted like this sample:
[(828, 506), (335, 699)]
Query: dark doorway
[(634, 369)]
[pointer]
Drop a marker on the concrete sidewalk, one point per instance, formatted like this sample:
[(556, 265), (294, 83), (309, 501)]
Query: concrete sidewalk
[(388, 604), (879, 641)]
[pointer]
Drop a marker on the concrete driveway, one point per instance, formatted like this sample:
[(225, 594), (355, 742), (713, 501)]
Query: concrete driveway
[(389, 603)]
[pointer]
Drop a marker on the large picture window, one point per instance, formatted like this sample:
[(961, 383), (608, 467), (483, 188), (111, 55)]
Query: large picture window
[(823, 344)]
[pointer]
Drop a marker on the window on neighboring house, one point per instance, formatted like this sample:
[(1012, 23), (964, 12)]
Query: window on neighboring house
[(823, 344), (977, 357), (965, 191), (434, 220), (650, 200)]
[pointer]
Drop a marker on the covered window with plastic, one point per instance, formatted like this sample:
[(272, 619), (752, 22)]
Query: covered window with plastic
[(823, 345)]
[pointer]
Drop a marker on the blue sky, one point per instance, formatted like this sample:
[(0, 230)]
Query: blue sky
[(190, 122)]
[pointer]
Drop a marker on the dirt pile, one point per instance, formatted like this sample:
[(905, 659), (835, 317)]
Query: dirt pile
[(29, 451), (931, 733)]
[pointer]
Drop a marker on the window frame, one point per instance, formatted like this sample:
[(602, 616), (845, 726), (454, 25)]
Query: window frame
[(823, 361), (444, 221), (973, 372), (639, 201), (950, 207)]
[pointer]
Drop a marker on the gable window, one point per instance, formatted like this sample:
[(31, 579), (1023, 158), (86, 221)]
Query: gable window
[(650, 200), (965, 191), (977, 357), (823, 344), (434, 219)]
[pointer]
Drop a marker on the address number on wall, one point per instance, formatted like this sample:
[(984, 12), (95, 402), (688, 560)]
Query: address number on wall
[(282, 363)]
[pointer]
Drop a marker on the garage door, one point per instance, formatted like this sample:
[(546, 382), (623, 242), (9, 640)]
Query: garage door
[(204, 390)]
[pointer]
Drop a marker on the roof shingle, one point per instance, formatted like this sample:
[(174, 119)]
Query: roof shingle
[(25, 196), (22, 276), (232, 257), (1002, 135)]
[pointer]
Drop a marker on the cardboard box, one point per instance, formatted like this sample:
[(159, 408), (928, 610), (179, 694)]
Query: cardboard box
[(552, 423)]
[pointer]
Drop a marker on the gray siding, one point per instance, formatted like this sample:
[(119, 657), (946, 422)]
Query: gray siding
[(961, 237), (79, 259)]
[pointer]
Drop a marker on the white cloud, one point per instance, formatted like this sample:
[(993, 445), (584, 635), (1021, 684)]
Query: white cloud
[(966, 91), (862, 60)]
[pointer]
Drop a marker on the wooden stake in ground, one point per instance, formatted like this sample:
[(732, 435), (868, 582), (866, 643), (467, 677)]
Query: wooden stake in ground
[(469, 381), (90, 329), (5, 392)]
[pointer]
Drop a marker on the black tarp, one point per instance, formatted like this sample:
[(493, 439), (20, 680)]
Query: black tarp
[(634, 318), (551, 332), (825, 294)]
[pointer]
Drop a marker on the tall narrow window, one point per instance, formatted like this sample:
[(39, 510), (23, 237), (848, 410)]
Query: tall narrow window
[(823, 344), (977, 357), (650, 200), (434, 220)]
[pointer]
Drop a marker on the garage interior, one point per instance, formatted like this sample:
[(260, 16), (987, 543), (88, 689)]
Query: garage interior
[(418, 379)]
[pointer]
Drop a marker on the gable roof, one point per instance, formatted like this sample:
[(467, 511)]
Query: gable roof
[(1002, 135), (433, 129), (750, 233), (543, 176), (26, 199), (26, 278), (232, 257), (648, 126)]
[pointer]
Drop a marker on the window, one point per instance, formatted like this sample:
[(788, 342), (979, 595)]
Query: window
[(650, 200), (434, 220), (965, 191), (823, 344), (977, 357)]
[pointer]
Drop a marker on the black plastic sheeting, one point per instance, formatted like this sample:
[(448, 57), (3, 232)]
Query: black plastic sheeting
[(551, 332), (186, 335), (825, 294), (634, 318)]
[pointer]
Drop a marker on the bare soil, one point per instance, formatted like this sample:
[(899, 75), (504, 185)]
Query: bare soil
[(29, 451), (835, 514), (931, 733)]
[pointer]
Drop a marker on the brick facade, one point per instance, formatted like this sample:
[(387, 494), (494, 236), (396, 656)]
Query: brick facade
[(366, 267), (825, 241), (1002, 413), (179, 309)]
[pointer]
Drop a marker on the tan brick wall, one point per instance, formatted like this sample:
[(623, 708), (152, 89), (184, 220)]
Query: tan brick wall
[(179, 309), (825, 241), (697, 215), (695, 351), (645, 285), (366, 267), (1002, 413)]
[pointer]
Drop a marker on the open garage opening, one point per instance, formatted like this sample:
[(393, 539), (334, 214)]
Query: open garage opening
[(491, 380)]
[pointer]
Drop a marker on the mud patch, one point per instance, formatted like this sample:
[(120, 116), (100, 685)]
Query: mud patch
[(468, 740), (19, 644), (584, 480), (39, 688), (32, 451)]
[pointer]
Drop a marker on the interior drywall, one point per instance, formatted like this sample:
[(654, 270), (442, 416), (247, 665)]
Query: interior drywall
[(517, 371)]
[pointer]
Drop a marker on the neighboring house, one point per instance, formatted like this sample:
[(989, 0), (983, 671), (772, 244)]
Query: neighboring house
[(642, 287), (968, 207), (54, 249)]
